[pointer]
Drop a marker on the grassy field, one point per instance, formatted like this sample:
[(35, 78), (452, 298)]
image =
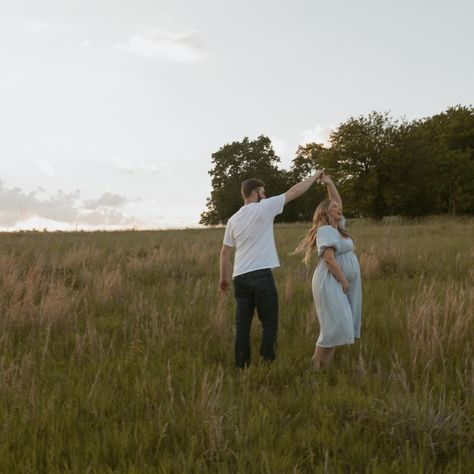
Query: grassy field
[(116, 355)]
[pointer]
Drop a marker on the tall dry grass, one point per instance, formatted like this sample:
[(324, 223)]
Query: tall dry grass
[(116, 355)]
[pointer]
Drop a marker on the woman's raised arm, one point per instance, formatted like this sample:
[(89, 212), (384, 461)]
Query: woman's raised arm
[(332, 190)]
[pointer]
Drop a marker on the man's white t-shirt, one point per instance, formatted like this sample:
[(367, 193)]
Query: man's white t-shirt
[(250, 231)]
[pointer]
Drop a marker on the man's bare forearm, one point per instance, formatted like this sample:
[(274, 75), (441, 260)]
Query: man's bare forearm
[(300, 188), (225, 268)]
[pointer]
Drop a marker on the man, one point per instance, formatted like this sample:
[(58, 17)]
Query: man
[(250, 232)]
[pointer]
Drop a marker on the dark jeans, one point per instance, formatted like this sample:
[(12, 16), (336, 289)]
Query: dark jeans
[(255, 290)]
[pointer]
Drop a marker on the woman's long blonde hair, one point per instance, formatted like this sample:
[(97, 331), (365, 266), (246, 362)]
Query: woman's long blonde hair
[(321, 217)]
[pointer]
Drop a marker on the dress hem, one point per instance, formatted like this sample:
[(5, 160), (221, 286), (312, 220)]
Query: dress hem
[(335, 345)]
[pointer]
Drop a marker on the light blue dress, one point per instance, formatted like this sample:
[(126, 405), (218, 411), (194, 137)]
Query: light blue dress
[(339, 313)]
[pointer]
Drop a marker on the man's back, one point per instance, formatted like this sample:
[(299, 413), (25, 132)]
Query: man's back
[(250, 231)]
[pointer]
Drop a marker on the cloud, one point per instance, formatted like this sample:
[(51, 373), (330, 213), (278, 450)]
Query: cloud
[(107, 217), (108, 199), (132, 167), (38, 27), (283, 150), (280, 146), (180, 48), (18, 206), (318, 134), (41, 28), (46, 168)]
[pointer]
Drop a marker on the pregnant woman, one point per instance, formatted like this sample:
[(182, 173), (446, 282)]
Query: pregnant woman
[(336, 281)]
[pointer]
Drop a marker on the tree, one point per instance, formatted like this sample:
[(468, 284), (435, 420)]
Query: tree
[(360, 161), (414, 177), (451, 138), (308, 158), (234, 163), (381, 166), (435, 164)]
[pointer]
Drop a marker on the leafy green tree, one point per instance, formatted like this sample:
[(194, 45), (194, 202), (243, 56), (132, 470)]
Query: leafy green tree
[(413, 174), (360, 160), (434, 165), (363, 152), (451, 138), (381, 166), (234, 163), (308, 158)]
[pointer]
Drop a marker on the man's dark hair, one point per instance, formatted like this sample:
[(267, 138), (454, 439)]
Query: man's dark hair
[(249, 186)]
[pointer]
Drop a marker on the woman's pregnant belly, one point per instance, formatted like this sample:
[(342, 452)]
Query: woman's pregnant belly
[(349, 265)]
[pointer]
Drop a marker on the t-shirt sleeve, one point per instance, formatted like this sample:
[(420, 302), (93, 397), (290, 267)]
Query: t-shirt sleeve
[(326, 236), (228, 235), (274, 205)]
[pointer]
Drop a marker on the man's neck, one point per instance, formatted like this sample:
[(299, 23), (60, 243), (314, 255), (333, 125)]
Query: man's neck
[(249, 201)]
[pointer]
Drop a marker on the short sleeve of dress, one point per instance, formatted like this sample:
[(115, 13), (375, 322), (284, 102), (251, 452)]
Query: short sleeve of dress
[(327, 236)]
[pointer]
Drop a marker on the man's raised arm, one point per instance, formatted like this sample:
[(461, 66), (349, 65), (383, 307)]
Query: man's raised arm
[(298, 189)]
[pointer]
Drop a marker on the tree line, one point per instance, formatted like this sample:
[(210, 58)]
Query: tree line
[(381, 165)]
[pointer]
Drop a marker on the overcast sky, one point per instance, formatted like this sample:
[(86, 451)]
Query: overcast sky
[(110, 109)]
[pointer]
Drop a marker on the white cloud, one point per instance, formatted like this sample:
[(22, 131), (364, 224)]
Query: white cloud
[(66, 208), (107, 217), (280, 146), (40, 223), (86, 43), (180, 48), (283, 150), (318, 134), (132, 167), (41, 28), (38, 27), (46, 167)]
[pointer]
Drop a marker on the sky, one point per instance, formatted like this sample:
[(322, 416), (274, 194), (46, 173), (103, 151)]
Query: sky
[(110, 110)]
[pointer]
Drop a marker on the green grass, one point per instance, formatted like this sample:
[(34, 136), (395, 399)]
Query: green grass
[(116, 355)]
